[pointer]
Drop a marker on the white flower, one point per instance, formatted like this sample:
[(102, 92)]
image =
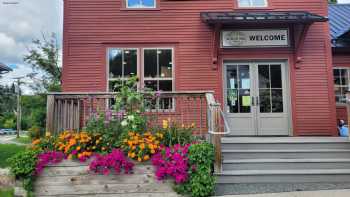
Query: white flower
[(124, 123), (131, 117)]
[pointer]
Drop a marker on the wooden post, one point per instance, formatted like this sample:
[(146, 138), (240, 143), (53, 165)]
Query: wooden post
[(217, 138), (50, 106)]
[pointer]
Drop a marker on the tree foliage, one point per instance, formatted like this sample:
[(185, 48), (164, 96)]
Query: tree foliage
[(44, 56)]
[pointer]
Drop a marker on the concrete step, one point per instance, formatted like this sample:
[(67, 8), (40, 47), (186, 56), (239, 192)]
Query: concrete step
[(286, 154), (246, 143), (284, 164), (284, 176)]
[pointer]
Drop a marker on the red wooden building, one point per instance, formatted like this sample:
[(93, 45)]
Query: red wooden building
[(269, 62)]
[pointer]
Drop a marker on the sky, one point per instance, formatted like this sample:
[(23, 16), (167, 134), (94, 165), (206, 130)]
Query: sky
[(21, 21)]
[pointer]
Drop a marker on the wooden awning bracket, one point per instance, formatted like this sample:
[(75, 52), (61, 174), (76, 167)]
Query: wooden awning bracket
[(300, 37), (215, 46)]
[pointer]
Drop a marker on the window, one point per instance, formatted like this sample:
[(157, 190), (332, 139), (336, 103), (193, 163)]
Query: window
[(252, 3), (341, 83), (156, 64), (122, 64), (158, 73), (141, 3)]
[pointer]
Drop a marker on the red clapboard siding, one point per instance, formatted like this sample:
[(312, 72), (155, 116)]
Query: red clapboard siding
[(90, 26)]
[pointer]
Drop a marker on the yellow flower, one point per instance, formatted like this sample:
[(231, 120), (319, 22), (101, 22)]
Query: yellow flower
[(139, 159), (142, 146), (94, 147), (47, 134), (165, 124), (78, 148), (153, 151), (146, 157), (97, 141), (133, 147), (133, 155)]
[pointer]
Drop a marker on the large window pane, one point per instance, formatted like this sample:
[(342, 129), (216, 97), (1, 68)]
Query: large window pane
[(130, 63), (277, 101), (243, 3), (259, 3), (265, 102), (165, 63), (344, 76), (151, 85), (276, 76), (252, 3), (150, 61), (115, 63), (264, 76), (336, 75)]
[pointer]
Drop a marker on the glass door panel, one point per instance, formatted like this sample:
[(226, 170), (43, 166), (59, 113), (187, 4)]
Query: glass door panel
[(238, 90), (270, 88)]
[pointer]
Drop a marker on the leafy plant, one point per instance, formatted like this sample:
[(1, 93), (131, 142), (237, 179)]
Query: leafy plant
[(108, 127), (22, 166), (175, 134), (201, 183), (116, 161), (46, 143)]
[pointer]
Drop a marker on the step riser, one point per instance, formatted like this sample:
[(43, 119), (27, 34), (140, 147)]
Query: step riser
[(277, 146), (284, 179), (284, 155), (285, 166)]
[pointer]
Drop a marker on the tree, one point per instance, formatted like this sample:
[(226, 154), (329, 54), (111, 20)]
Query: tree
[(44, 56)]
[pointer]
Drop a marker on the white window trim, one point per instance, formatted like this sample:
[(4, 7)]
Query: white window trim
[(142, 7), (342, 86), (252, 5)]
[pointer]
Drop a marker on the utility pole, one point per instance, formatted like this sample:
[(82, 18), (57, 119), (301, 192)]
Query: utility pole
[(19, 110)]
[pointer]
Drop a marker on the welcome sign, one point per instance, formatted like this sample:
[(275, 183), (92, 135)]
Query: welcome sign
[(255, 38)]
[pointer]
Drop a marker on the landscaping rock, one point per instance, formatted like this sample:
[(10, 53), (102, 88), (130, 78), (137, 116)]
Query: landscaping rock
[(6, 179)]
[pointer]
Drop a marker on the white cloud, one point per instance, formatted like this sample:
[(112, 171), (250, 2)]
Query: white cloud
[(22, 21), (343, 1)]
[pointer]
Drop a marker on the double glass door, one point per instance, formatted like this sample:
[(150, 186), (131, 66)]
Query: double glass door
[(256, 98)]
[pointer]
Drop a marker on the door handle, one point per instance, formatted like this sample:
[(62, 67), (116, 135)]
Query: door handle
[(253, 101)]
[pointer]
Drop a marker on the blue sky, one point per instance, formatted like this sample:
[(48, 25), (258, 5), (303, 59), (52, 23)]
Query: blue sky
[(23, 20)]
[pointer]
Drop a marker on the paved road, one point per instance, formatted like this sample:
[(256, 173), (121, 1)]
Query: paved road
[(9, 139), (325, 193)]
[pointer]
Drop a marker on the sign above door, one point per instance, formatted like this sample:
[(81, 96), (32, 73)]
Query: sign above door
[(255, 38)]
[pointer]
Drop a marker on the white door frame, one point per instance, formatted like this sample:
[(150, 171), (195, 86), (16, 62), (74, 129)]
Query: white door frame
[(254, 110)]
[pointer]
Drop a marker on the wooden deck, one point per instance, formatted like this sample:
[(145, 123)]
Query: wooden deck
[(70, 179)]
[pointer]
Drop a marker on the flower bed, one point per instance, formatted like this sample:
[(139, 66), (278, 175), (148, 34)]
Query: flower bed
[(114, 141)]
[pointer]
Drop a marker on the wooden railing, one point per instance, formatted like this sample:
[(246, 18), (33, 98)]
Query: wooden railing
[(72, 110)]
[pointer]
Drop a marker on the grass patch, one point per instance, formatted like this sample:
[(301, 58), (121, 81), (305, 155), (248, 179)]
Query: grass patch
[(7, 151), (8, 192), (23, 140)]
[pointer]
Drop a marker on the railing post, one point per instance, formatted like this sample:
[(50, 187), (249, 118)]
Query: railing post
[(50, 113), (217, 137)]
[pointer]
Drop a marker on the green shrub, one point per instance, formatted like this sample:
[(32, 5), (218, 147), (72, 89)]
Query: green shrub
[(34, 132), (174, 134), (108, 127), (22, 166), (201, 182)]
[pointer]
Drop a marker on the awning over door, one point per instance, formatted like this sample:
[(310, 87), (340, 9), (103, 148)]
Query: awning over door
[(300, 21), (230, 18)]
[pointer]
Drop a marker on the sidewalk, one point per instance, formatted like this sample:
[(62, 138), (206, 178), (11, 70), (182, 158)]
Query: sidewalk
[(325, 193)]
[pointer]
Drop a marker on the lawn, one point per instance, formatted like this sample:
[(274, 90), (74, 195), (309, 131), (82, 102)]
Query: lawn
[(7, 192), (7, 150), (23, 140)]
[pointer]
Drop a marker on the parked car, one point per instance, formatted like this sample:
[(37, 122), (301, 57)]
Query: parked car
[(8, 131)]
